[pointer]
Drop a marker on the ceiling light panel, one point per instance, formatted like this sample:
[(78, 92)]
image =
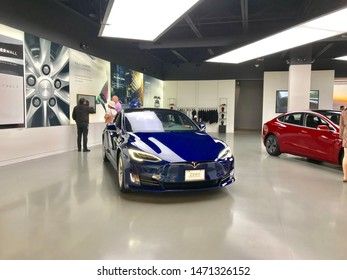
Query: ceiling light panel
[(143, 19), (323, 27), (342, 58)]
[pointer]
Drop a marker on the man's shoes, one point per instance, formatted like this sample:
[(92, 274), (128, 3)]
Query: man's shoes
[(79, 150), (86, 150)]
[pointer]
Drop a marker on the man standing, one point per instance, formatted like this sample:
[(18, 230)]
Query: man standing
[(118, 106), (80, 114)]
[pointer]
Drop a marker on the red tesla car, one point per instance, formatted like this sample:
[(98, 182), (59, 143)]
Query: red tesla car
[(313, 134)]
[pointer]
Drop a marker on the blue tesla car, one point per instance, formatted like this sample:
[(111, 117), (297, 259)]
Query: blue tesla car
[(164, 150)]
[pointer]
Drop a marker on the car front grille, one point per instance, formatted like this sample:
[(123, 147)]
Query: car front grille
[(191, 185)]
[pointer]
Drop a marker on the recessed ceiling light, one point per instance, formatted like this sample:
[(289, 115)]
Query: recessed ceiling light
[(142, 19), (323, 27)]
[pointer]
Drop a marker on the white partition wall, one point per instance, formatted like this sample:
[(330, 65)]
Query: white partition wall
[(324, 82), (203, 95), (20, 144), (273, 81), (186, 94)]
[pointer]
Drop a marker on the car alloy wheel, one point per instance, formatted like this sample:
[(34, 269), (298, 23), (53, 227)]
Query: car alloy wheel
[(121, 175), (272, 146)]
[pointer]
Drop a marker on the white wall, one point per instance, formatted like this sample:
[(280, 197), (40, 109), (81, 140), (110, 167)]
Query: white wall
[(20, 144), (273, 81), (202, 95), (324, 82)]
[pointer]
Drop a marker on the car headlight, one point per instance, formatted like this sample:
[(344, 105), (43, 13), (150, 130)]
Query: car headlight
[(225, 153), (143, 156)]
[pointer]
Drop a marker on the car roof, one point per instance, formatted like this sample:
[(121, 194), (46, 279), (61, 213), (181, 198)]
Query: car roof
[(319, 111), (128, 110)]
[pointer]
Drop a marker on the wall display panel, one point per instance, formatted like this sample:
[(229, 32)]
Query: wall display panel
[(91, 100), (89, 75), (314, 99), (127, 84), (153, 92), (47, 82), (282, 100), (11, 82)]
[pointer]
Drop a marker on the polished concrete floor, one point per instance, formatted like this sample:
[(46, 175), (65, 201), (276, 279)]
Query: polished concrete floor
[(67, 207)]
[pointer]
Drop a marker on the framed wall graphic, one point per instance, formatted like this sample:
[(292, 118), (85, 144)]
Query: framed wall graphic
[(282, 100), (91, 99), (127, 84), (314, 99), (12, 113), (47, 82)]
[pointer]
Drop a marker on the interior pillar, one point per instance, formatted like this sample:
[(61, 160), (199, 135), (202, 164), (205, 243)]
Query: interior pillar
[(299, 87)]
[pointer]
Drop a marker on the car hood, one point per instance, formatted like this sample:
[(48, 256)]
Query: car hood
[(178, 146)]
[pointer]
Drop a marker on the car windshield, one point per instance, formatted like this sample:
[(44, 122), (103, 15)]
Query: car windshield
[(158, 121)]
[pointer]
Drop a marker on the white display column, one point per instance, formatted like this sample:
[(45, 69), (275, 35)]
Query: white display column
[(299, 87)]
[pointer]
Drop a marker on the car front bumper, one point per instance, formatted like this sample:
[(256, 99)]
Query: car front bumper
[(171, 176)]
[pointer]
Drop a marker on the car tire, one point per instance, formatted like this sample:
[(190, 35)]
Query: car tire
[(120, 174), (272, 146)]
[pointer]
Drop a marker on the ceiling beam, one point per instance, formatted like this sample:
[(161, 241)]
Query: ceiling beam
[(181, 57), (193, 26), (323, 50), (244, 14), (188, 43)]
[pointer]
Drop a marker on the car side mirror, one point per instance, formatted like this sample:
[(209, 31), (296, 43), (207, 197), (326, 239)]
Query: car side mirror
[(111, 127), (202, 127), (322, 127)]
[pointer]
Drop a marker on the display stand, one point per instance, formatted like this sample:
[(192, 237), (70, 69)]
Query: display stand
[(172, 103), (222, 115)]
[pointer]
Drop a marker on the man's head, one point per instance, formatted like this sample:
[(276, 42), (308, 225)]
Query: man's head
[(115, 98), (82, 101)]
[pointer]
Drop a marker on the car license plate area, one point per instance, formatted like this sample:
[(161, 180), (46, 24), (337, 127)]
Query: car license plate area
[(194, 175)]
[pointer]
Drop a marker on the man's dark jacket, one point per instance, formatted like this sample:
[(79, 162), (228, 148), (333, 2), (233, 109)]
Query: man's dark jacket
[(81, 113)]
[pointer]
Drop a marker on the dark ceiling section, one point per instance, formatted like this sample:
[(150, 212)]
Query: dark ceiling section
[(210, 28)]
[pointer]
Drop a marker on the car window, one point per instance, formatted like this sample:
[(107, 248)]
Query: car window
[(334, 116), (158, 121), (295, 118), (313, 121)]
